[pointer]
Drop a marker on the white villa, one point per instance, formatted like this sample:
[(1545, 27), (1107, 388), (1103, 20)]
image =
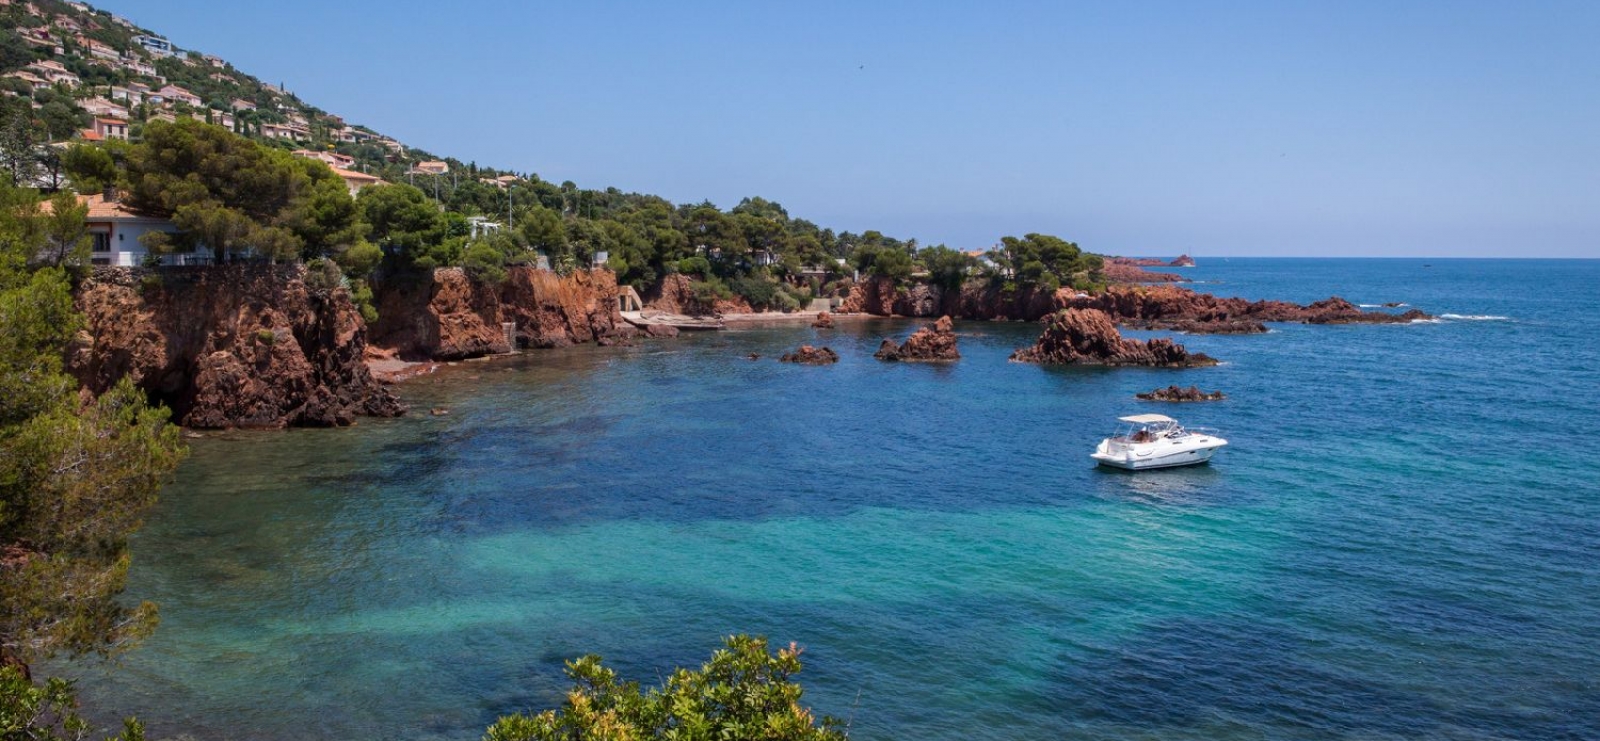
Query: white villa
[(116, 232), (156, 45)]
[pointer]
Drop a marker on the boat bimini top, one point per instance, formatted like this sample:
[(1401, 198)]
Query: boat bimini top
[(1147, 419)]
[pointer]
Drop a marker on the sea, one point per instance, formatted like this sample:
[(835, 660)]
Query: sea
[(1401, 541)]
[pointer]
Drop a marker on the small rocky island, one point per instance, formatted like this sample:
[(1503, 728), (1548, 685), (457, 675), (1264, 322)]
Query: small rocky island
[(808, 355), (1178, 393), (936, 343), (1087, 337)]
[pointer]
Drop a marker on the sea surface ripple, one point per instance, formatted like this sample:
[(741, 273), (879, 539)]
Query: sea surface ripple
[(1402, 540)]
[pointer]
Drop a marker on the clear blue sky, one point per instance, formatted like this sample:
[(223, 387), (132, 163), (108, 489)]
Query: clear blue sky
[(1228, 128)]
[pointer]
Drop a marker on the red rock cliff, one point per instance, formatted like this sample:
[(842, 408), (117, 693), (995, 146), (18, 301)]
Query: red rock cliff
[(236, 346), (975, 300), (446, 315), (674, 294)]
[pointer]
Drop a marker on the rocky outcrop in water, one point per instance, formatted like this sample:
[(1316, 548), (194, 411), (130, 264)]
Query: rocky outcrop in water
[(235, 346), (934, 343), (824, 321), (445, 314), (808, 355), (1182, 261), (1087, 337), (1183, 310), (1177, 393)]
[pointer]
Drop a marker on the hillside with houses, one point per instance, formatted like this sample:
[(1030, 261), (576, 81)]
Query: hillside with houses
[(114, 77), (83, 92)]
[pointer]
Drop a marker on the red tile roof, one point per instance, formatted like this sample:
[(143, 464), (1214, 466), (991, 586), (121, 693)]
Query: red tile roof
[(353, 175), (100, 209)]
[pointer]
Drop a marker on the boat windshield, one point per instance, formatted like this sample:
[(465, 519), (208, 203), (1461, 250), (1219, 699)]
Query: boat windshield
[(1148, 432)]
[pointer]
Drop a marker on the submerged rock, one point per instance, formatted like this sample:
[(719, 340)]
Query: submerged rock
[(808, 355), (1087, 337), (935, 343), (1177, 393)]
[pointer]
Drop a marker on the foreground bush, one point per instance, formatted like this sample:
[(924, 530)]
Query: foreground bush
[(47, 712), (743, 694)]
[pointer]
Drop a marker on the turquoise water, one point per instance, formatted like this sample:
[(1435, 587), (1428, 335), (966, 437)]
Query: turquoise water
[(1403, 540)]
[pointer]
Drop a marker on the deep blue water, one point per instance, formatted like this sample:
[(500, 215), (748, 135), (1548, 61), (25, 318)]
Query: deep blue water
[(1402, 541)]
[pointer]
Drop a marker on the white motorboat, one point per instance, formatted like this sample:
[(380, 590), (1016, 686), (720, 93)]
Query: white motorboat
[(1156, 441)]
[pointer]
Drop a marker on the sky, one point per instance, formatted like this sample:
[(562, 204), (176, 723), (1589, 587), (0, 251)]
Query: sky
[(1278, 128)]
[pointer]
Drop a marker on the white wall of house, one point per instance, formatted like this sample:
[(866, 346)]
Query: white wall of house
[(117, 242)]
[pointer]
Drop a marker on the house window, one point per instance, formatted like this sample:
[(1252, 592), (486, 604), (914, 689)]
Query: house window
[(102, 242)]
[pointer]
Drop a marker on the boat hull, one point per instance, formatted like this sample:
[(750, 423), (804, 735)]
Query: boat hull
[(1135, 460)]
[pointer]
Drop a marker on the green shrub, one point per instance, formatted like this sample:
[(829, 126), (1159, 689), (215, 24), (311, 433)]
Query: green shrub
[(485, 263), (360, 259), (696, 265), (361, 295), (744, 692), (266, 337), (758, 292), (786, 303), (323, 275), (47, 712)]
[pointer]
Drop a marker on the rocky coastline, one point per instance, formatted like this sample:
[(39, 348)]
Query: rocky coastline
[(674, 294), (1133, 270), (232, 346), (1161, 307), (444, 314), (255, 346), (1183, 310)]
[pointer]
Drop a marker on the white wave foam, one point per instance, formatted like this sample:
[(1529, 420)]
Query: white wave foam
[(1475, 317), (1382, 306)]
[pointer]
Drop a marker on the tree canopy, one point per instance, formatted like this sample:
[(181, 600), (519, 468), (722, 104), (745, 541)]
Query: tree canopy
[(1047, 262), (253, 199), (75, 478), (236, 196)]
